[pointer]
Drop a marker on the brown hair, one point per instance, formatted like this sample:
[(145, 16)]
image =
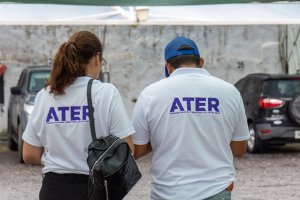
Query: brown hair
[(71, 59), (176, 62)]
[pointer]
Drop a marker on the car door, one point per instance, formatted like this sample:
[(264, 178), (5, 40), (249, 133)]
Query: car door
[(15, 107), (252, 90)]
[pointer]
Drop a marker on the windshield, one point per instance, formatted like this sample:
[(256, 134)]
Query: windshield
[(37, 80), (282, 87)]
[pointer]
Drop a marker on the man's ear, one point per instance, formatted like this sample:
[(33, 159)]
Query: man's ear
[(201, 63), (169, 68)]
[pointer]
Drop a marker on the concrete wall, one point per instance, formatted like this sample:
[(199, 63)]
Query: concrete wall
[(135, 53), (293, 48)]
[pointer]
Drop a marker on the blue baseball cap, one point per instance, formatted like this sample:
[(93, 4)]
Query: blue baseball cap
[(173, 49)]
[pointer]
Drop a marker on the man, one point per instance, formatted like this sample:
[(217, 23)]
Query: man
[(194, 123)]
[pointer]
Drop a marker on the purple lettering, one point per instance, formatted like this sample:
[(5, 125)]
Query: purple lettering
[(75, 112), (188, 102), (213, 103), (85, 112), (63, 112), (52, 115), (176, 105), (200, 104)]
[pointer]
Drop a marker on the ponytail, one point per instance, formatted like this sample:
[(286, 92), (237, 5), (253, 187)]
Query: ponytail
[(71, 59)]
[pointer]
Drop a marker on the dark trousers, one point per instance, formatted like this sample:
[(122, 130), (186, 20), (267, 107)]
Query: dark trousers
[(64, 187)]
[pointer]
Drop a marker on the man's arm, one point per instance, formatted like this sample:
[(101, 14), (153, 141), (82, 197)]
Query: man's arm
[(128, 140), (142, 150), (32, 154), (238, 148)]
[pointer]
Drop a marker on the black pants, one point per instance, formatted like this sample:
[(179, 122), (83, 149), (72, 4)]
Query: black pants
[(64, 187)]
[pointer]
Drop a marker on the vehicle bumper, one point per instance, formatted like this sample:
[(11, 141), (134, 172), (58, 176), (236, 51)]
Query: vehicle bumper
[(268, 132)]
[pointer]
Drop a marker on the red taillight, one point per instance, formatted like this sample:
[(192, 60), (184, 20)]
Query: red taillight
[(265, 131), (270, 103)]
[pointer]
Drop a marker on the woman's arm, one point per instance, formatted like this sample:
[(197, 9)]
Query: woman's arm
[(32, 154)]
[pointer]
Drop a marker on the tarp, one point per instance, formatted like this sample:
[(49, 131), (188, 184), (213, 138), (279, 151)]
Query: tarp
[(254, 13), (135, 2)]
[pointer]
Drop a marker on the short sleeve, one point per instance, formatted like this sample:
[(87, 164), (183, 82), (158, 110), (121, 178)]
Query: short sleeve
[(140, 123), (30, 134), (120, 124), (241, 131)]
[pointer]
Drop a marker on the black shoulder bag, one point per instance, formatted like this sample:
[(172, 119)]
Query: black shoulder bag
[(112, 169)]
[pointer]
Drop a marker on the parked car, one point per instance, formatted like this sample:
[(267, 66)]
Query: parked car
[(31, 80), (272, 104)]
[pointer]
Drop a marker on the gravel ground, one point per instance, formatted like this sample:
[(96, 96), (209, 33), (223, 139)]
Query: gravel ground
[(272, 175)]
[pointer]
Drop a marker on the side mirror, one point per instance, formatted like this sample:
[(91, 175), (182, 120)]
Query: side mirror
[(16, 90)]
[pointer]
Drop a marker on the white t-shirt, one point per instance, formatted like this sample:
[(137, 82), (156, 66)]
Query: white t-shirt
[(61, 124), (190, 119)]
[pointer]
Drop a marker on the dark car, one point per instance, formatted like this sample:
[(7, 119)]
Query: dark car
[(32, 80), (272, 104)]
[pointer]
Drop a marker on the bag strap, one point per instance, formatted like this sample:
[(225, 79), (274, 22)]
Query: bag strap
[(91, 109)]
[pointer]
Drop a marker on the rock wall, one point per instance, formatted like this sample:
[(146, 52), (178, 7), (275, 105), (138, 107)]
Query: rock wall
[(135, 53)]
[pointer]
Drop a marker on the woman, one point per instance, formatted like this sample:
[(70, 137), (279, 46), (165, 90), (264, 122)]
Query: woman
[(58, 132)]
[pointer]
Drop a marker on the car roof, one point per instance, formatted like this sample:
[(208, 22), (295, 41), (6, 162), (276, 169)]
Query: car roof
[(272, 76), (38, 68)]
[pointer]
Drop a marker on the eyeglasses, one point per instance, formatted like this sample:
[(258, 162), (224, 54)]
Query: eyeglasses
[(104, 63)]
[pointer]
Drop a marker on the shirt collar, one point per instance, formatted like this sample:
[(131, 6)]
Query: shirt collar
[(190, 70), (81, 80)]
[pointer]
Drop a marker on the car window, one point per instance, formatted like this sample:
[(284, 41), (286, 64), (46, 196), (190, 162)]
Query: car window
[(252, 86), (37, 80), (283, 87), (21, 81)]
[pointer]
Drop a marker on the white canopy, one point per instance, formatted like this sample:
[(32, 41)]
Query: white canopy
[(253, 13)]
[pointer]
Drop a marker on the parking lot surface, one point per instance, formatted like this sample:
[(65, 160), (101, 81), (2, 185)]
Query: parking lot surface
[(273, 175)]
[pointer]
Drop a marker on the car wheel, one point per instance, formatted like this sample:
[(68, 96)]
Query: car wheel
[(254, 144), (20, 145), (294, 109), (12, 145)]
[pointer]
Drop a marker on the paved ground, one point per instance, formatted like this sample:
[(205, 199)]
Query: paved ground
[(272, 175)]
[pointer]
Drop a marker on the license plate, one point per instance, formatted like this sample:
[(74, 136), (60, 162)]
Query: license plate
[(297, 134)]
